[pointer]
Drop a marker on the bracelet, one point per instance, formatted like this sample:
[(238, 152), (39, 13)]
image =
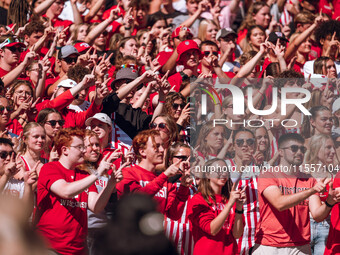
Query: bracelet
[(161, 102), (329, 205), (238, 211), (127, 28), (58, 48)]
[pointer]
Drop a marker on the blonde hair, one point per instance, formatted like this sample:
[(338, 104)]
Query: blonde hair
[(202, 29)]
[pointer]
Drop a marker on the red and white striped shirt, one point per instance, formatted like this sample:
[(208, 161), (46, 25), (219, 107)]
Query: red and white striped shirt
[(179, 231), (251, 209)]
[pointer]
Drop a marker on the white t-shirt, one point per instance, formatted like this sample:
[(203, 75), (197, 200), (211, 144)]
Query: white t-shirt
[(308, 68), (79, 108), (67, 13)]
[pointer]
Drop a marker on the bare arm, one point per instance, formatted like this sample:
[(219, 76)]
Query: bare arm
[(97, 30), (43, 7), (16, 72), (76, 14), (234, 6), (283, 202), (94, 9)]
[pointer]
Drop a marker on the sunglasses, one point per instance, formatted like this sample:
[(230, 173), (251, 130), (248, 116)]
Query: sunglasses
[(5, 154), (69, 60), (160, 126), (207, 53), (53, 123), (175, 106), (8, 108), (14, 49), (295, 148), (249, 142), (182, 157), (132, 66)]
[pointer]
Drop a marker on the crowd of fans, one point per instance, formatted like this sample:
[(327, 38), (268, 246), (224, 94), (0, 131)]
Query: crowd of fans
[(100, 99)]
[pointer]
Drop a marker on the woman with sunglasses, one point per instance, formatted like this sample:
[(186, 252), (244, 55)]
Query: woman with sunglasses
[(216, 212), (31, 146), (176, 107), (244, 168), (179, 231), (321, 155), (167, 128), (52, 121)]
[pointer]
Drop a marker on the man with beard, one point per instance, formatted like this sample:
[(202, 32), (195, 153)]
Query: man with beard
[(286, 196)]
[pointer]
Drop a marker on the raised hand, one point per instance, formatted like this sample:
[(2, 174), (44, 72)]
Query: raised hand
[(31, 177), (173, 169), (11, 168)]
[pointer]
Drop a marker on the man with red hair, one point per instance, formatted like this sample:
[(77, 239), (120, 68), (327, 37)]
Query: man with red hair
[(65, 193)]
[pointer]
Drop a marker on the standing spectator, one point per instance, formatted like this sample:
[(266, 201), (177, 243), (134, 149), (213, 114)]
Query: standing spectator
[(216, 212), (283, 198), (65, 193), (149, 149)]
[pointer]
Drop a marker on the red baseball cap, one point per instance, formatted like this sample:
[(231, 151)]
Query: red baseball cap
[(11, 41), (175, 33), (81, 47), (185, 46)]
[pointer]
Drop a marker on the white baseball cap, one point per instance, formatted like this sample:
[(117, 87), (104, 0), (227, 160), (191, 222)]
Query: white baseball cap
[(101, 117), (68, 83)]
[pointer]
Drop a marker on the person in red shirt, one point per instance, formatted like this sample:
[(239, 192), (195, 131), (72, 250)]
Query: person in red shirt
[(10, 51), (64, 193), (149, 149), (216, 212), (286, 196), (188, 55), (13, 127)]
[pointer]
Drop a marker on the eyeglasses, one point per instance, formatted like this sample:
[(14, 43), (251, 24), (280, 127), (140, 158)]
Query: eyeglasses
[(249, 142), (207, 53), (5, 154), (175, 106), (160, 126), (295, 148), (78, 147), (53, 123), (15, 49), (105, 33), (69, 60), (182, 157), (8, 108)]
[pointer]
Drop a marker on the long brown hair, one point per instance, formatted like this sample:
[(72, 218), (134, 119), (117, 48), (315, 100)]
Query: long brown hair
[(205, 188)]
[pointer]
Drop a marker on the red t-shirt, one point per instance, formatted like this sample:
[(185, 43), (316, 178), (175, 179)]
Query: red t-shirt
[(170, 201), (333, 241), (63, 222), (290, 227), (176, 80), (3, 72), (201, 214), (14, 127)]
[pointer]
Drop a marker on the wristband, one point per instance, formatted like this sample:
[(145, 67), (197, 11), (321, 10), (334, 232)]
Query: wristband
[(143, 44), (161, 102), (329, 205), (58, 48), (127, 28), (238, 211)]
